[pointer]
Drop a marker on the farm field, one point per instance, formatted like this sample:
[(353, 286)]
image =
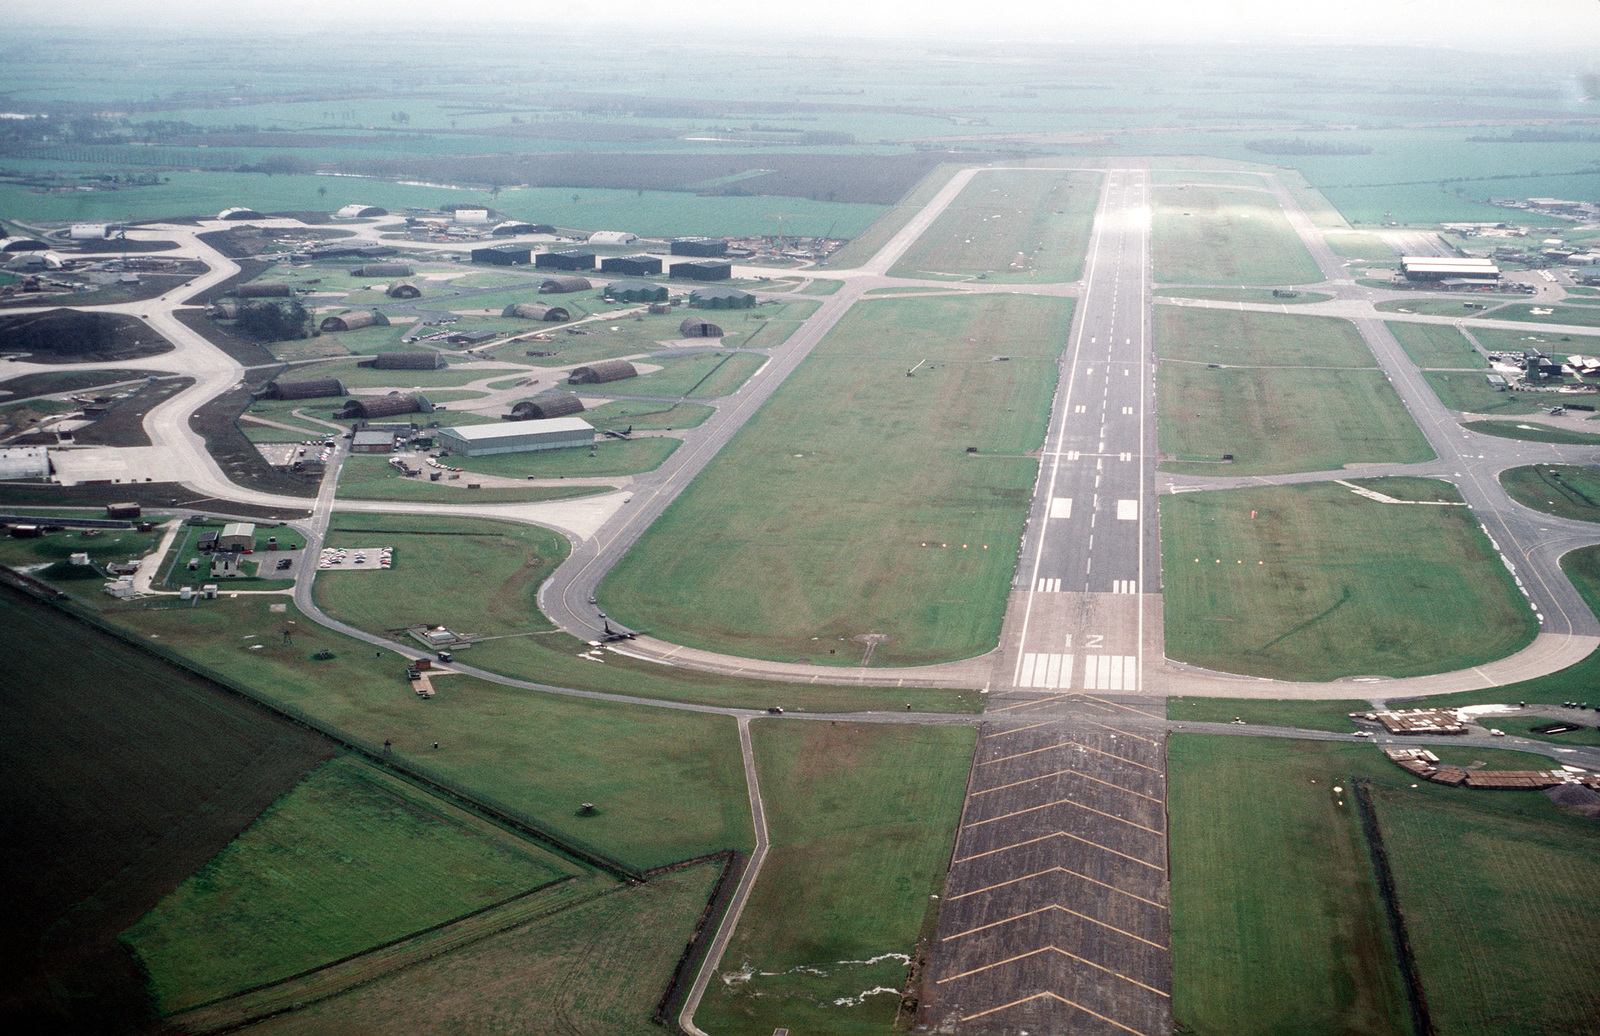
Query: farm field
[(1436, 345), (348, 860), (597, 967), (862, 818), (1279, 420), (1213, 235), (668, 784), (1493, 890), (1563, 490), (1321, 583), (1470, 393), (498, 601), (855, 470), (1257, 339), (92, 850), (1276, 921), (1010, 225)]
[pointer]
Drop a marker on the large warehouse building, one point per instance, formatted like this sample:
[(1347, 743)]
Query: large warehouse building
[(1450, 272), (631, 265), (573, 260), (484, 440), (706, 247), (315, 388), (703, 270), (602, 372), (503, 255)]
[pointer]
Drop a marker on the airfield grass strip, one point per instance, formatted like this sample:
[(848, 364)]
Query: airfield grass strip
[(1361, 794)]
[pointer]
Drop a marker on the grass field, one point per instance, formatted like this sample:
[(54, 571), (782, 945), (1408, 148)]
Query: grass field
[(668, 784), (608, 457), (1261, 295), (1321, 583), (506, 563), (347, 860), (1583, 316), (1434, 306), (1558, 344), (862, 818), (1010, 225), (596, 968), (1257, 339), (853, 488), (1307, 715), (1436, 345), (866, 244), (1470, 393), (1276, 922), (1278, 420), (1563, 490), (642, 415), (1357, 244), (1214, 235), (1492, 899), (1533, 432)]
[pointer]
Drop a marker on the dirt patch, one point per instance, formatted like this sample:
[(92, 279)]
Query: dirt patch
[(71, 336)]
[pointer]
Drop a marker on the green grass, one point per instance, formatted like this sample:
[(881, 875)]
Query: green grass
[(1276, 922), (1278, 420), (1436, 345), (867, 243), (1563, 490), (1523, 726), (1471, 393), (358, 377), (1260, 295), (610, 457), (1360, 245), (347, 860), (1206, 235), (668, 784), (1583, 316), (1555, 343), (505, 564), (841, 480), (1010, 225), (1306, 715), (1438, 307), (1322, 583), (1491, 899), (1257, 339), (862, 818), (371, 478), (1533, 433), (644, 415), (824, 286)]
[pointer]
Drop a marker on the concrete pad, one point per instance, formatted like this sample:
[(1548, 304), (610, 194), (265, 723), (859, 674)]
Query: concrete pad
[(117, 464)]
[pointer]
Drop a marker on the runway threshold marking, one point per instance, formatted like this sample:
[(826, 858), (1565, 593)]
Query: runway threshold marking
[(1050, 949), (1074, 773), (1062, 999), (1061, 834), (1062, 870), (1046, 909)]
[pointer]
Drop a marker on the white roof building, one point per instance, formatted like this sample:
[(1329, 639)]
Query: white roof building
[(24, 462), (483, 440), (612, 237)]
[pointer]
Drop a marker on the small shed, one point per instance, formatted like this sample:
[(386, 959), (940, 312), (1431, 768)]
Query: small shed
[(721, 298), (546, 404), (404, 290), (703, 270), (562, 284), (315, 388), (570, 260), (636, 291), (536, 311), (237, 536), (353, 320), (631, 265), (372, 440), (695, 327), (604, 371), (424, 360)]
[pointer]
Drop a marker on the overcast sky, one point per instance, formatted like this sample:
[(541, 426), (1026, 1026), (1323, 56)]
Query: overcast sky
[(1475, 24)]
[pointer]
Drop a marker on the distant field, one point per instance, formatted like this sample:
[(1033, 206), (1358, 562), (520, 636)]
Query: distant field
[(1493, 890), (610, 457), (1434, 306), (1010, 225), (1585, 316), (1261, 295), (862, 819), (347, 860), (1360, 245), (1471, 393), (1276, 921), (1563, 490), (849, 470), (1436, 345), (1533, 432), (1257, 339), (1205, 235), (1278, 420), (1321, 583)]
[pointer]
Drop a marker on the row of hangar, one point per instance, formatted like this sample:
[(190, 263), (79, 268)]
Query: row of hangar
[(597, 373)]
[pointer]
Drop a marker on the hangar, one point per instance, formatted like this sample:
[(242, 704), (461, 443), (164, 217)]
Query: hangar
[(503, 255), (694, 327), (315, 388), (425, 360), (391, 405), (636, 291), (721, 298), (22, 244), (536, 311), (562, 284), (631, 265), (705, 247), (1433, 268), (484, 440), (703, 270), (30, 461), (382, 270), (239, 212), (605, 370), (512, 227), (358, 211), (612, 237), (572, 260), (403, 290), (353, 320), (262, 291), (547, 405)]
